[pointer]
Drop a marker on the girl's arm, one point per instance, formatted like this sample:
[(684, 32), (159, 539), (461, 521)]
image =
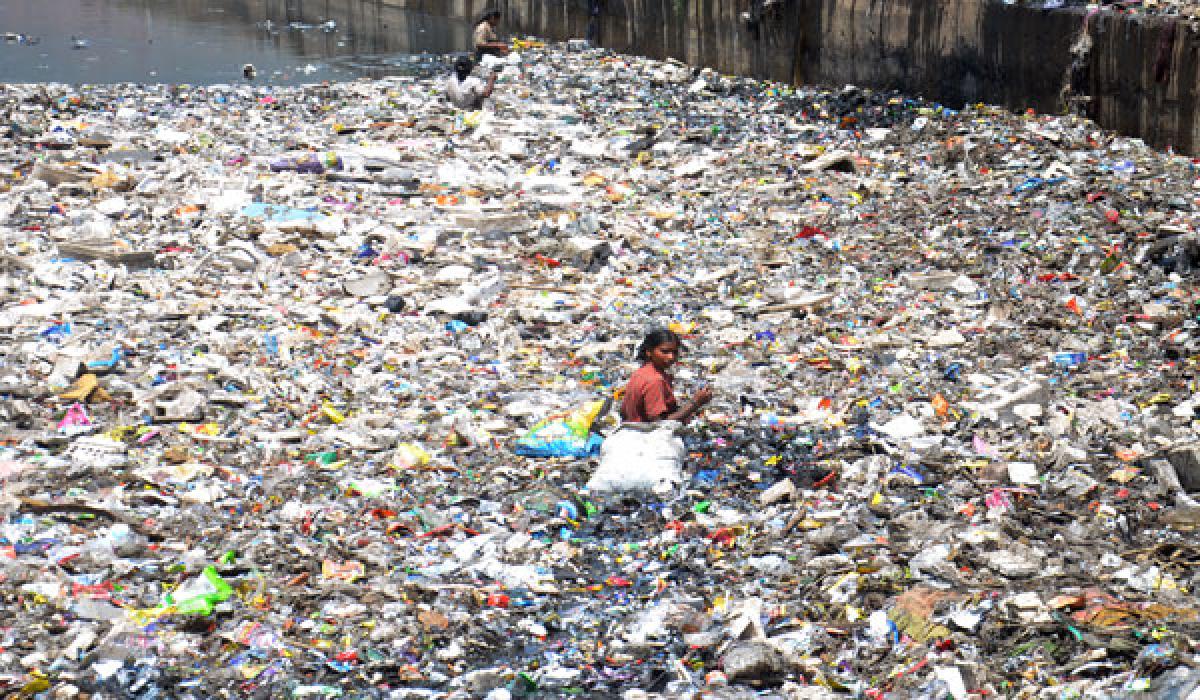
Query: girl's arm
[(686, 411)]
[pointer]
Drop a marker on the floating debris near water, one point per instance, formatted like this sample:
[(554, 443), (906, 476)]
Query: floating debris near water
[(300, 388)]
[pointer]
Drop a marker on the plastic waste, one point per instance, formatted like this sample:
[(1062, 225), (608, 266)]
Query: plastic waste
[(280, 423), (640, 458), (564, 435), (198, 595)]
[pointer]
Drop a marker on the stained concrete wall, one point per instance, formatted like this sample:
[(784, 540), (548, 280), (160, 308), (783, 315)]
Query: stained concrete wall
[(1139, 77)]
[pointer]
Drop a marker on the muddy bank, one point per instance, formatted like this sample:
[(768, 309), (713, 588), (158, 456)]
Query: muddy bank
[(1135, 75)]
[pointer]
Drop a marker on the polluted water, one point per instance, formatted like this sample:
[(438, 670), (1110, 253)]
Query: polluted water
[(307, 392), (208, 41)]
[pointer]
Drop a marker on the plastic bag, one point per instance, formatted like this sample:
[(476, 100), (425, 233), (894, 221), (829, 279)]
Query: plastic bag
[(564, 434), (641, 457), (199, 595), (408, 455)]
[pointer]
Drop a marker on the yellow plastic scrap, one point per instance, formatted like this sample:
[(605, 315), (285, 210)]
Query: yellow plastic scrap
[(408, 455), (332, 413), (86, 389), (1124, 475), (145, 616), (106, 180), (846, 578), (1159, 398), (522, 44), (37, 685)]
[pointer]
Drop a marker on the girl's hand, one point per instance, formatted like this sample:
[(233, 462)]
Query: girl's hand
[(703, 396)]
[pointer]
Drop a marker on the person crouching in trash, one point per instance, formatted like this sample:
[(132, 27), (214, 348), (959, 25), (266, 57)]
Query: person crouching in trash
[(650, 395), (464, 90)]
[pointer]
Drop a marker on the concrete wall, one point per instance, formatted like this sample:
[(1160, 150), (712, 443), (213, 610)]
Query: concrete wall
[(1139, 77)]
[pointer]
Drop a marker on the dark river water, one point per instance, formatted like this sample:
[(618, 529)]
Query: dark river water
[(204, 42)]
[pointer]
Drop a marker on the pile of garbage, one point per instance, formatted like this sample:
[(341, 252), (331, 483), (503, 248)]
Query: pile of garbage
[(1170, 8), (302, 391)]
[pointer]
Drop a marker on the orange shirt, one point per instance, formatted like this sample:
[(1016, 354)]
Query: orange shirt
[(648, 396)]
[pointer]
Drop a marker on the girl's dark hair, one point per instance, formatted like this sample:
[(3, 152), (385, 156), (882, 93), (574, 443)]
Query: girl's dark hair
[(656, 337), (488, 14)]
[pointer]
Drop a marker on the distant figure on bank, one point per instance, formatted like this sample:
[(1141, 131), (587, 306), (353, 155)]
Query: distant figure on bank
[(466, 91), (595, 9), (249, 71), (486, 41)]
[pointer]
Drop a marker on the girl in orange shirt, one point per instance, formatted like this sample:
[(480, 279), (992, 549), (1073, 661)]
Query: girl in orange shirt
[(649, 395)]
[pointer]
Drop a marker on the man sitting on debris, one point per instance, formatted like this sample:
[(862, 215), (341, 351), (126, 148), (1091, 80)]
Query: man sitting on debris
[(486, 41), (466, 91)]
